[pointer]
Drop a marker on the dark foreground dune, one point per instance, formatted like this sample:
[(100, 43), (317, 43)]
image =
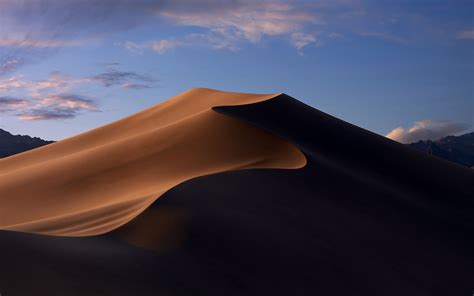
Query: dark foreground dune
[(364, 216)]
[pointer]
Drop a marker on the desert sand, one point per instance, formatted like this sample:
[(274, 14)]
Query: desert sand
[(214, 193), (93, 183)]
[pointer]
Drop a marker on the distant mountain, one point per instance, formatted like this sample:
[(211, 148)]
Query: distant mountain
[(13, 144), (459, 149)]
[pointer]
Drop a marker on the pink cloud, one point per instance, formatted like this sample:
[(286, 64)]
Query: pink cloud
[(426, 130), (39, 43), (54, 107), (229, 24), (468, 34)]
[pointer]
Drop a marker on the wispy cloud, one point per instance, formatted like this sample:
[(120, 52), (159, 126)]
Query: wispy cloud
[(209, 40), (228, 24), (426, 130), (246, 19), (467, 34), (54, 24), (300, 40), (59, 96), (59, 82), (56, 81), (8, 65), (159, 46), (125, 79), (134, 85), (34, 29), (39, 43), (50, 107), (9, 104), (11, 83), (54, 107)]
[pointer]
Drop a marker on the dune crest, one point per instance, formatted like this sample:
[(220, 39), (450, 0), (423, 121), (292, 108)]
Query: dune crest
[(97, 181)]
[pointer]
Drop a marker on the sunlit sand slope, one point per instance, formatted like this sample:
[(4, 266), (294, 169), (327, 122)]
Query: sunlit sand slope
[(97, 181), (364, 215)]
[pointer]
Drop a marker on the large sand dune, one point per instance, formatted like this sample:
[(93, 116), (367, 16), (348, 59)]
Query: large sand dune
[(97, 181), (258, 195)]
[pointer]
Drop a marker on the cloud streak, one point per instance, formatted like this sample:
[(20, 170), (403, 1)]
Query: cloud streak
[(125, 79), (60, 82), (55, 24), (467, 34), (57, 98), (163, 46), (41, 44), (8, 64), (227, 25), (300, 40), (9, 104), (54, 107), (426, 130), (50, 107), (56, 81), (245, 19)]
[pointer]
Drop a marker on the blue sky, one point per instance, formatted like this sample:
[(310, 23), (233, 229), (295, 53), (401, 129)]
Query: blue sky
[(404, 68)]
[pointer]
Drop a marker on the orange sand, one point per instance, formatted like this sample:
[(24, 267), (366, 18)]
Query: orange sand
[(97, 181)]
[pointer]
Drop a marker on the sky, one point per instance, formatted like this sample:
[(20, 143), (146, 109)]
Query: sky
[(404, 69)]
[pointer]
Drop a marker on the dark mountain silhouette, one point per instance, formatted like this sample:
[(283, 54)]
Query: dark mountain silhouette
[(459, 149), (13, 144)]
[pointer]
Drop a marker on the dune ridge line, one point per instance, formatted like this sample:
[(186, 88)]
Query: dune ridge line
[(97, 181)]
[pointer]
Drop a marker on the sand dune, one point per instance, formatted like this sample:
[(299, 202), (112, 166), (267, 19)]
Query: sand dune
[(93, 183), (264, 196)]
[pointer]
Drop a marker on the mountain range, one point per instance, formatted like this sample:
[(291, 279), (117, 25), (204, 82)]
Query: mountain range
[(14, 144), (459, 149)]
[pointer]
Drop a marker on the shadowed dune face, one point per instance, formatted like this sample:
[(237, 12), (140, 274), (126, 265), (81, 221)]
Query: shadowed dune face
[(97, 181), (364, 216)]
